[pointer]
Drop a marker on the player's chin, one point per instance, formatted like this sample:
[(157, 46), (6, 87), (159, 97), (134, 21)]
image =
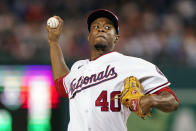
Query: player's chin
[(101, 46)]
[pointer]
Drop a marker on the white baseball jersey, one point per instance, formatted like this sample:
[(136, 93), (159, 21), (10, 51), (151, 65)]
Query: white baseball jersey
[(92, 86)]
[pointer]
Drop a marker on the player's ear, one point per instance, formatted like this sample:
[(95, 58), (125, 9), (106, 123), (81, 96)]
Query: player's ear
[(88, 36), (116, 38)]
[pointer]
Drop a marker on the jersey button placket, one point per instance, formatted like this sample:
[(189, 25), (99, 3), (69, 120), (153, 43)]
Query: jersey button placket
[(89, 70)]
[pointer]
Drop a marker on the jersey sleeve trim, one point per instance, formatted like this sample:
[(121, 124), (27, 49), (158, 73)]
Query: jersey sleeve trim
[(65, 87), (151, 91), (168, 90), (61, 87)]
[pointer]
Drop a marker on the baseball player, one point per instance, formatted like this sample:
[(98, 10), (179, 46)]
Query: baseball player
[(93, 85)]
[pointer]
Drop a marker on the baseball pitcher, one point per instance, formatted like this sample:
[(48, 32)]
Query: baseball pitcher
[(104, 89)]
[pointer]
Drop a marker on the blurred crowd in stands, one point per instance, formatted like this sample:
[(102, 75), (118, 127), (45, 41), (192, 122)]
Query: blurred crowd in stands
[(161, 31)]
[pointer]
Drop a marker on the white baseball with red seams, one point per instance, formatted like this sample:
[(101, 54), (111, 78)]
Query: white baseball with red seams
[(52, 22), (92, 86)]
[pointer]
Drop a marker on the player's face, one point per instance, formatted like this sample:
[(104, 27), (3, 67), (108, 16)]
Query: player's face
[(102, 34)]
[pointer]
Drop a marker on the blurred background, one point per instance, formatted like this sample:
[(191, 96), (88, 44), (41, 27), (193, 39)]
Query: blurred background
[(160, 31)]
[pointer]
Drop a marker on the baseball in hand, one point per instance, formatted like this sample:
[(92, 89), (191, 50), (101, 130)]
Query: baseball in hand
[(53, 22)]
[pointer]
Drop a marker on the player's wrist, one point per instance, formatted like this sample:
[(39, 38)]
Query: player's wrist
[(154, 100), (52, 38), (53, 42), (147, 100)]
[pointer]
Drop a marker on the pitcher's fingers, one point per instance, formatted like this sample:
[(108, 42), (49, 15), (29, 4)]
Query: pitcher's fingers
[(60, 26), (59, 19), (61, 22)]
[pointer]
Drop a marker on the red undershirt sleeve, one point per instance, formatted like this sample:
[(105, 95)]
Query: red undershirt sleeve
[(60, 87), (168, 90)]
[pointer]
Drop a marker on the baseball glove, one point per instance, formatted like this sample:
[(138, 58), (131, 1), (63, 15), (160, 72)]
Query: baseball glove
[(131, 95)]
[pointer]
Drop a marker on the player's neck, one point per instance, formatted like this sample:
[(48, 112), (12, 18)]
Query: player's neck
[(97, 53)]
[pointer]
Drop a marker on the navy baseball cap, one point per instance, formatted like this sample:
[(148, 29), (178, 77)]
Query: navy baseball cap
[(103, 13)]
